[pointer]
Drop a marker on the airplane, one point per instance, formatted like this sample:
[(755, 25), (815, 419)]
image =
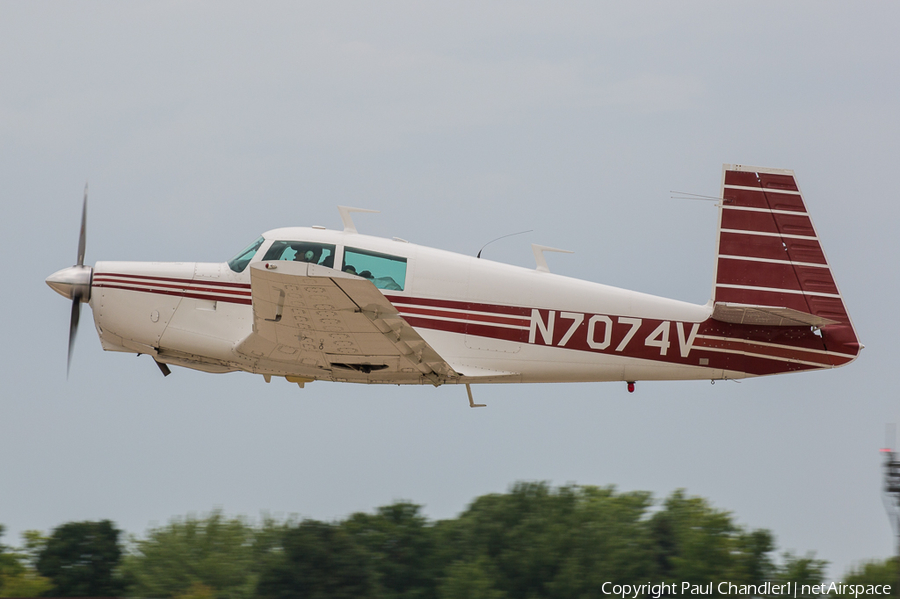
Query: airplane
[(311, 304)]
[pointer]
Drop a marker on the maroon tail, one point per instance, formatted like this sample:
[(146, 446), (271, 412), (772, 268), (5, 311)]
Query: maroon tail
[(770, 267)]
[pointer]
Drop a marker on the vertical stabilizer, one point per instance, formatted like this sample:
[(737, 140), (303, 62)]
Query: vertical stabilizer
[(770, 267)]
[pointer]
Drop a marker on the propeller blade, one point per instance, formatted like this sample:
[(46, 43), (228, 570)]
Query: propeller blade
[(81, 236), (73, 329)]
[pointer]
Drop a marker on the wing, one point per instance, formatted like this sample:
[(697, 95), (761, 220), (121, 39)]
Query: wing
[(317, 322)]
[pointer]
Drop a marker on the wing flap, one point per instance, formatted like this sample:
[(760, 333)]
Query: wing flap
[(311, 320)]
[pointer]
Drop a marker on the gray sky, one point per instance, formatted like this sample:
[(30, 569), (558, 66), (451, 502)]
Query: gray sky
[(200, 125)]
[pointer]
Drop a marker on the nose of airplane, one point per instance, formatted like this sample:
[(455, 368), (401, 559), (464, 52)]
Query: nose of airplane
[(72, 282)]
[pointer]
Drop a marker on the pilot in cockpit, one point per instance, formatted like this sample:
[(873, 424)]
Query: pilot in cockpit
[(308, 255)]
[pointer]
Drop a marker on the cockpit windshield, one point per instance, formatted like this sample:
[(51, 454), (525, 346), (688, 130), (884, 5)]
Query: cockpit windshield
[(240, 262)]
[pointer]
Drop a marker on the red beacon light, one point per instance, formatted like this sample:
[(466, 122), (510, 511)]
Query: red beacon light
[(631, 386)]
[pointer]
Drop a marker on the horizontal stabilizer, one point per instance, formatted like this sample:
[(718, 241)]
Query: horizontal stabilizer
[(766, 316)]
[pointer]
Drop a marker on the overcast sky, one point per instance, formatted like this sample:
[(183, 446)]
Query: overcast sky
[(199, 125)]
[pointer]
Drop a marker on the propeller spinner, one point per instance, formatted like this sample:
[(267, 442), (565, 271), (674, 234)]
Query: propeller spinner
[(74, 282)]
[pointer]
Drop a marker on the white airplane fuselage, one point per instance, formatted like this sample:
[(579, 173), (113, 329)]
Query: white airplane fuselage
[(317, 304), (195, 314)]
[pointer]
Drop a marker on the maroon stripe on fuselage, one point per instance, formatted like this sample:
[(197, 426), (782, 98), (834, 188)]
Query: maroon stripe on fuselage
[(463, 328), (413, 310), (172, 279), (457, 305), (194, 287), (773, 349), (788, 353), (451, 326), (177, 293)]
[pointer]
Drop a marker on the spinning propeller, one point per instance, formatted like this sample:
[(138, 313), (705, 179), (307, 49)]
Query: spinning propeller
[(74, 282)]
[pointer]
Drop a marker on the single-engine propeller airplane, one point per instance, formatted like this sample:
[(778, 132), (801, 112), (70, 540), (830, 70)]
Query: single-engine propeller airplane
[(313, 304)]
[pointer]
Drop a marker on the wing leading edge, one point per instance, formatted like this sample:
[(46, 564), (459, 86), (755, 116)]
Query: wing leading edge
[(320, 323)]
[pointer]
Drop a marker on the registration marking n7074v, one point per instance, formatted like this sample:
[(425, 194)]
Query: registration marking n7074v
[(596, 331)]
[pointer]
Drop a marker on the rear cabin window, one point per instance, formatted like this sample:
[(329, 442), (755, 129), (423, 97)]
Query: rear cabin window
[(302, 251), (386, 271)]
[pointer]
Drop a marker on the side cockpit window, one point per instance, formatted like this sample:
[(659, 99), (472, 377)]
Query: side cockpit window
[(302, 251), (386, 271), (240, 262)]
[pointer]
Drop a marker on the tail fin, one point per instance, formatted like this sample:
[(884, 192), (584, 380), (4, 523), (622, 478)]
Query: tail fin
[(770, 267)]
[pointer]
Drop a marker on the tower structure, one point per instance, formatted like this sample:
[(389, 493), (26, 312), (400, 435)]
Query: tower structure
[(891, 496)]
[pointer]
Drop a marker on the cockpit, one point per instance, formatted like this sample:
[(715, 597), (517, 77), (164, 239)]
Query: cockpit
[(386, 271), (301, 251)]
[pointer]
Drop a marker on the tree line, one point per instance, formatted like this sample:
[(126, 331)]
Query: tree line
[(535, 541)]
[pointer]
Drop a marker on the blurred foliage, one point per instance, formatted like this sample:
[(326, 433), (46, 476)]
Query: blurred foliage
[(534, 541), (801, 570), (401, 550), (18, 577), (693, 542), (197, 557), (81, 559), (537, 541), (318, 561), (874, 572), (469, 579)]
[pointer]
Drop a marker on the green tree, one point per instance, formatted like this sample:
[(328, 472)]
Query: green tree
[(18, 578), (319, 561), (469, 580), (193, 556), (27, 583), (400, 546), (80, 559), (535, 541), (697, 543), (874, 572), (9, 561), (806, 570), (33, 542)]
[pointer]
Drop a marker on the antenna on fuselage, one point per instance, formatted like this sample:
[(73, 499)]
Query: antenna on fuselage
[(684, 195), (345, 211), (541, 259), (498, 239)]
